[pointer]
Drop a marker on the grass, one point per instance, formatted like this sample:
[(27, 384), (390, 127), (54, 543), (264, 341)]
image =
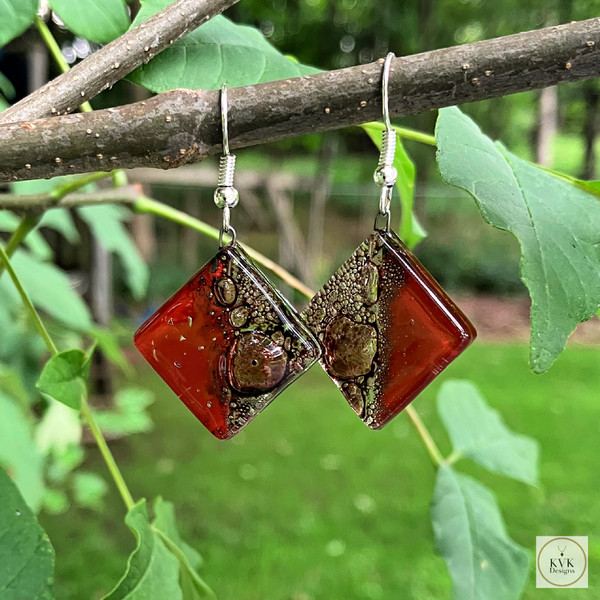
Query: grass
[(308, 504)]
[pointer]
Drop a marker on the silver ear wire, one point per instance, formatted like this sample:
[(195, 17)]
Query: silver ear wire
[(226, 196), (385, 175)]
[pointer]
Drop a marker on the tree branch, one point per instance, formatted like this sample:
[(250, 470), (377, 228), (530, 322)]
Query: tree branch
[(183, 126), (115, 60), (38, 203), (131, 196)]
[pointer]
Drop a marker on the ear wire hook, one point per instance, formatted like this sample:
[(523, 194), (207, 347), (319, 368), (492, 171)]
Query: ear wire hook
[(224, 112), (226, 196), (385, 84), (386, 174)]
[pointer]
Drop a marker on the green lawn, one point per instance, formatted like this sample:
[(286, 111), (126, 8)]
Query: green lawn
[(308, 504)]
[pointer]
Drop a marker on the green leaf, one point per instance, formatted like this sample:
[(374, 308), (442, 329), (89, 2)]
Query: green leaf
[(106, 224), (109, 345), (12, 386), (478, 432), (62, 461), (166, 522), (64, 378), (557, 225), (34, 240), (99, 21), (7, 89), (59, 428), (56, 218), (20, 346), (152, 570), (411, 230), (50, 290), (26, 554), (217, 52), (8, 221), (129, 415), (18, 454), (192, 585), (89, 490), (60, 220), (16, 16), (484, 563), (56, 502)]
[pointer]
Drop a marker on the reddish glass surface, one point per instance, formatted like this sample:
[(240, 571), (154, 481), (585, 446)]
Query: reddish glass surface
[(387, 328), (227, 343)]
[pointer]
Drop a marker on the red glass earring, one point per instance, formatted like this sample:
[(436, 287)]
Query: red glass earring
[(386, 326), (227, 343)]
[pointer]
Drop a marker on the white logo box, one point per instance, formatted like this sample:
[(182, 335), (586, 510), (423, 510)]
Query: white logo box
[(561, 561)]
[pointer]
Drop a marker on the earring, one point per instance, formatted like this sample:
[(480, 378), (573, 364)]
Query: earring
[(386, 326), (227, 342)]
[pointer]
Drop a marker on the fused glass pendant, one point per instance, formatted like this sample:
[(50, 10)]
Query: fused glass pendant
[(387, 328), (227, 343)]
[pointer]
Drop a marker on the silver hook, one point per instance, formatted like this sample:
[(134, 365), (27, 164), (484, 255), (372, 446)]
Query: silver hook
[(385, 84), (386, 174), (224, 110), (226, 196)]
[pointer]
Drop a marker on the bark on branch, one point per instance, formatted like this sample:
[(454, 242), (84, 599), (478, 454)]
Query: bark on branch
[(115, 60), (183, 126)]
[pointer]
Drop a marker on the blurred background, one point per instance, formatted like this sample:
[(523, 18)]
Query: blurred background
[(306, 503)]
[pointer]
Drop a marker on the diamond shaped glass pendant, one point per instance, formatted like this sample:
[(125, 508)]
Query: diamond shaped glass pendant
[(227, 343), (387, 328)]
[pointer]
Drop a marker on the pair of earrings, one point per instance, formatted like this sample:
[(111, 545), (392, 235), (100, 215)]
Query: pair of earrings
[(227, 343)]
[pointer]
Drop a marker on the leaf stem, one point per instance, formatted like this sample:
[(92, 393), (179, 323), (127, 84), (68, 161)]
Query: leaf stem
[(176, 550), (455, 456), (432, 447), (60, 191), (415, 136), (85, 410), (404, 132), (107, 455), (57, 54), (26, 224), (35, 317), (119, 178)]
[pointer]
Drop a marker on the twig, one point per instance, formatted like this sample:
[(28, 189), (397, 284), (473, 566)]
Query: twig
[(115, 60), (183, 126), (131, 196), (149, 206), (33, 203)]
